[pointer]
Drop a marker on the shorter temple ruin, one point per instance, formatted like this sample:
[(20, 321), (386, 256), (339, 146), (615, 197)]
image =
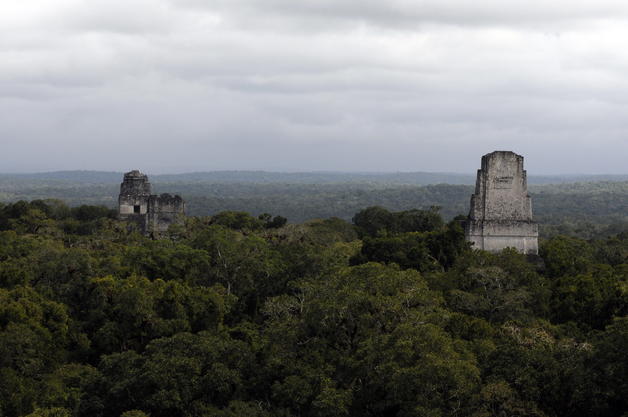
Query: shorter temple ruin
[(501, 209), (153, 214)]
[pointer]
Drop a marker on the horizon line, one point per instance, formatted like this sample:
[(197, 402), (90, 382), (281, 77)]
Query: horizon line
[(337, 172)]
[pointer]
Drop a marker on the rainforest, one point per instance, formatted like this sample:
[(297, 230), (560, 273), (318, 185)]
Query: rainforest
[(389, 314)]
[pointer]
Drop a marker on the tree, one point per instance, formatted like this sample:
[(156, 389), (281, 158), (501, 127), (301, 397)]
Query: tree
[(591, 299), (377, 221), (611, 367), (179, 375), (50, 412), (33, 341), (566, 256), (373, 221), (364, 341), (408, 250)]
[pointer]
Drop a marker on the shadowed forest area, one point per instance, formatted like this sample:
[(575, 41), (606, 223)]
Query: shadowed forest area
[(240, 315)]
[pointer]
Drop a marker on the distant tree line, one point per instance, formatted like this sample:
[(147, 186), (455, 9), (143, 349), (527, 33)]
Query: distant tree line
[(586, 210)]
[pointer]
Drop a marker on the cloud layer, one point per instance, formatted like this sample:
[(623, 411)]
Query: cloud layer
[(401, 85)]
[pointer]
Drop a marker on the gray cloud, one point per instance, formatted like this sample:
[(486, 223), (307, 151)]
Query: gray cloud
[(411, 13), (168, 85)]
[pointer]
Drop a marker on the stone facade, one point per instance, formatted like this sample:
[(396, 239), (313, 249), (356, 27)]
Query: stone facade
[(152, 214), (501, 209)]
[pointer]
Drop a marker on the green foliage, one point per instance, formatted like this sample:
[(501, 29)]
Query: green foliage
[(243, 316), (611, 367), (33, 341), (591, 299), (271, 222), (565, 255), (177, 375), (50, 412), (128, 314), (134, 413), (408, 251), (377, 221), (34, 331), (411, 239), (497, 287), (237, 220), (86, 213), (376, 330)]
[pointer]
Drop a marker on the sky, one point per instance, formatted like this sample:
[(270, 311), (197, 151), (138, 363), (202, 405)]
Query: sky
[(169, 86)]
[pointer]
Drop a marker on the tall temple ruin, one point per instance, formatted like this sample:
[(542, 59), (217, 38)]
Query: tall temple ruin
[(501, 209), (153, 214)]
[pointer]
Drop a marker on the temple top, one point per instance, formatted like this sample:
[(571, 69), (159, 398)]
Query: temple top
[(135, 184), (134, 174), (501, 209), (501, 189), (152, 214)]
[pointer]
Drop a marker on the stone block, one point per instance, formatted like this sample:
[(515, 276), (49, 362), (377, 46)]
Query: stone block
[(501, 209), (152, 213)]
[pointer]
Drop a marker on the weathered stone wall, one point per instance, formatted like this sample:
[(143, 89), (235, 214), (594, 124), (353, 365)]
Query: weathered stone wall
[(152, 214), (501, 209), (135, 191), (165, 210)]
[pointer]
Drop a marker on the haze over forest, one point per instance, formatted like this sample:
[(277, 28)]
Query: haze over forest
[(303, 177)]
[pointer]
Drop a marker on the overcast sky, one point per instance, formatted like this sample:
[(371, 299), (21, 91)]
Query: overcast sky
[(297, 85)]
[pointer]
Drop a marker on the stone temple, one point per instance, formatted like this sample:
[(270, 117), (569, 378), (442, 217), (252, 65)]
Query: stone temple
[(501, 209), (153, 214)]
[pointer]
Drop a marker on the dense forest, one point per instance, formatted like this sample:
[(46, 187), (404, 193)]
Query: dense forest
[(584, 209), (235, 315)]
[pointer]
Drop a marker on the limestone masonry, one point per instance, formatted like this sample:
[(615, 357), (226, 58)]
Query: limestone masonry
[(152, 213), (501, 209)]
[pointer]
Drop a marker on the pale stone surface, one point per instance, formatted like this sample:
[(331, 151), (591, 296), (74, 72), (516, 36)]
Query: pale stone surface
[(164, 210), (135, 191), (501, 209), (152, 213)]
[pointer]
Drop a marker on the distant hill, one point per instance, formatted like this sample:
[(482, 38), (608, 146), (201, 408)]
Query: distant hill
[(265, 177), (82, 177)]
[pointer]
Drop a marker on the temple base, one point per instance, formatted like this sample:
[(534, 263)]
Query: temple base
[(494, 235)]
